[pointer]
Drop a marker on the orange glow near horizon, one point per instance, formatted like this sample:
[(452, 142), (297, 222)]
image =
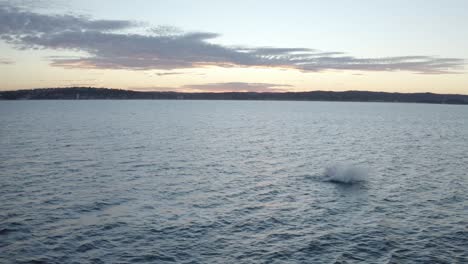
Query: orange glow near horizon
[(41, 75), (31, 70)]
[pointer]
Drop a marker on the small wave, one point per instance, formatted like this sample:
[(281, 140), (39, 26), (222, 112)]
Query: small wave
[(345, 174)]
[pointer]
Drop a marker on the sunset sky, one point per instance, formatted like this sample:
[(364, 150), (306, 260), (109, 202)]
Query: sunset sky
[(208, 45)]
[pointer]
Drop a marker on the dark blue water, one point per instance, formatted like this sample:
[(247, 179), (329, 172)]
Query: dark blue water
[(232, 182)]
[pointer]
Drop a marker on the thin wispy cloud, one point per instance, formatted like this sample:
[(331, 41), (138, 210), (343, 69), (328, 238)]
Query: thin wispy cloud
[(222, 87), (237, 87), (167, 73), (167, 48), (171, 73), (5, 61), (30, 4)]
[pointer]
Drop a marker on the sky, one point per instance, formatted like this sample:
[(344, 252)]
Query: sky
[(247, 46)]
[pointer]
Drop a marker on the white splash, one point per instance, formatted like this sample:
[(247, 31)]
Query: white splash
[(347, 174)]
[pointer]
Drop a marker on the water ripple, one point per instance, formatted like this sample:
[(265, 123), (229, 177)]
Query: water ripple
[(232, 182)]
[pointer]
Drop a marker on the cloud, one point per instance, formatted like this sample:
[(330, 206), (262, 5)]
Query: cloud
[(168, 48), (167, 73), (221, 87), (28, 3), (70, 80), (165, 30), (16, 24), (237, 87), (5, 61)]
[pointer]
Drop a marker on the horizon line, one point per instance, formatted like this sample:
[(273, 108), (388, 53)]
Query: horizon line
[(222, 92)]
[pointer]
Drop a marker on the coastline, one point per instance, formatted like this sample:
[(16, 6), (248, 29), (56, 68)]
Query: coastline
[(88, 93)]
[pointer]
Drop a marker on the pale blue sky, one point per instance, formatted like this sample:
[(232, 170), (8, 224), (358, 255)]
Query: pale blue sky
[(364, 28)]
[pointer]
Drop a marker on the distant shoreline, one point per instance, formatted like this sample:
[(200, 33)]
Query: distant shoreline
[(88, 93)]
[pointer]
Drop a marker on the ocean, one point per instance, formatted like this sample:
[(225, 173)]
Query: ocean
[(232, 182)]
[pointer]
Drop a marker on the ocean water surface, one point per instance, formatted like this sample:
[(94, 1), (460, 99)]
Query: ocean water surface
[(233, 182)]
